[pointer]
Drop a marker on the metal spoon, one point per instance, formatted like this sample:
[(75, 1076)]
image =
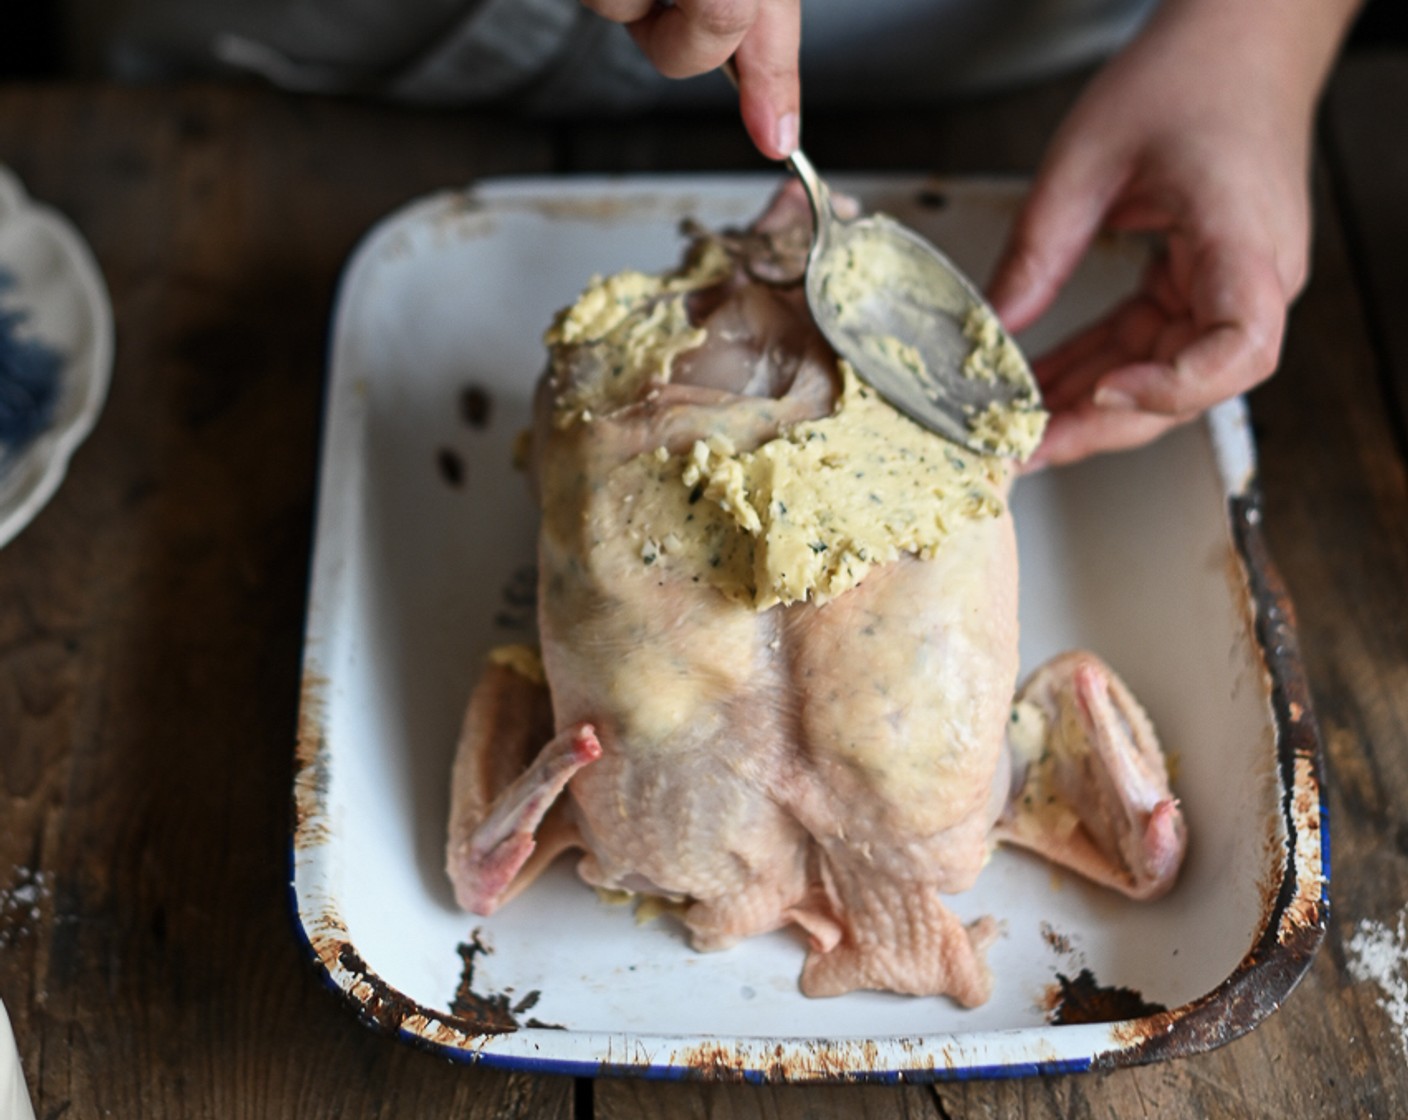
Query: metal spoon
[(915, 328)]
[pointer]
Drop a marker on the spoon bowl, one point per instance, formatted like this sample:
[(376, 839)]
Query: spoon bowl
[(916, 329)]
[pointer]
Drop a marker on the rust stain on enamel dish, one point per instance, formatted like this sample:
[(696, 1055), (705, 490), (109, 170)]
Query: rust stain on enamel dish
[(1084, 1000), (383, 1006), (472, 1018), (1296, 900), (373, 999), (1302, 900), (818, 1060), (491, 1012), (462, 216), (326, 938), (310, 825), (1305, 910)]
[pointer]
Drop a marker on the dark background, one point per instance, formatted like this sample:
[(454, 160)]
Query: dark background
[(35, 43), (30, 37)]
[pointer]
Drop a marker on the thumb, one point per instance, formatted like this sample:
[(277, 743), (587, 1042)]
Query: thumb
[(1057, 222)]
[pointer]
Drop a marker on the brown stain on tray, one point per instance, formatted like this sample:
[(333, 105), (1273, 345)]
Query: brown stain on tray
[(1084, 1000), (1058, 942), (475, 406), (374, 1000), (450, 465), (310, 780), (824, 1060), (1295, 906), (491, 1010), (383, 1006)]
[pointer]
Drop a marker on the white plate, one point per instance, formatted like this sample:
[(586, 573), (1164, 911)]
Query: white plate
[(56, 284), (1152, 559)]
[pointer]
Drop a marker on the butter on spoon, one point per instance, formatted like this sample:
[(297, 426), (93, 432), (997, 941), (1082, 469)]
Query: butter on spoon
[(915, 328)]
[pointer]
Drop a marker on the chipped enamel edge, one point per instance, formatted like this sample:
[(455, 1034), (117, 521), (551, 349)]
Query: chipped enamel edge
[(1291, 931)]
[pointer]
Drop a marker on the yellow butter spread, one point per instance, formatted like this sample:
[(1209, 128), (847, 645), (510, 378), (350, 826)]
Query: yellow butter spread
[(807, 514), (637, 323), (994, 354), (1027, 732), (803, 516), (524, 660), (1013, 430), (867, 265), (890, 351)]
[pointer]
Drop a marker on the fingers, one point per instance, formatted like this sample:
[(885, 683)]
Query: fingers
[(1090, 430), (1129, 333), (690, 37), (1228, 341), (1165, 355), (620, 11), (1058, 221)]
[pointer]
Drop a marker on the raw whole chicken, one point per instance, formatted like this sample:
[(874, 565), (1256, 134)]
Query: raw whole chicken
[(778, 630)]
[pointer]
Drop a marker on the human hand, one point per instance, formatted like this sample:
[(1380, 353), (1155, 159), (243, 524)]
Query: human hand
[(689, 37), (1199, 132)]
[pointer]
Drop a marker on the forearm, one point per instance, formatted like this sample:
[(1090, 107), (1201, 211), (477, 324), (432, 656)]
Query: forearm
[(1282, 48)]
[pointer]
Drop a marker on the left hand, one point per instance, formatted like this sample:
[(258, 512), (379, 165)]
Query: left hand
[(1202, 137)]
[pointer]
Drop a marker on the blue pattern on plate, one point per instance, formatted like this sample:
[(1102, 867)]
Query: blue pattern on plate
[(29, 379)]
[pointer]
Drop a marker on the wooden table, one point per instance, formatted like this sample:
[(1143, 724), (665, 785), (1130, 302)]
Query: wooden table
[(150, 618)]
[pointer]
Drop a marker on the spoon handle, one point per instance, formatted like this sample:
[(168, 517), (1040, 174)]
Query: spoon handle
[(818, 194)]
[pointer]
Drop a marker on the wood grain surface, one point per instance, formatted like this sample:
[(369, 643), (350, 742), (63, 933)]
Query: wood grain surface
[(1369, 166), (151, 617)]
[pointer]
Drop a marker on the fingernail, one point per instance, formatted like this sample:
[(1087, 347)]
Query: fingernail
[(1115, 399), (788, 133)]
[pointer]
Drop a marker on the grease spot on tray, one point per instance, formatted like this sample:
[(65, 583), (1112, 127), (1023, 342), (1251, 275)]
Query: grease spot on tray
[(1085, 1000), (451, 466), (1059, 942), (494, 1011), (476, 405)]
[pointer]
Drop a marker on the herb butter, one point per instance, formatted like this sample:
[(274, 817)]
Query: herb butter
[(994, 354), (524, 660), (804, 515), (637, 323), (808, 514)]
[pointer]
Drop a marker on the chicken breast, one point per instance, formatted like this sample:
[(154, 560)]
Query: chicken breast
[(778, 630)]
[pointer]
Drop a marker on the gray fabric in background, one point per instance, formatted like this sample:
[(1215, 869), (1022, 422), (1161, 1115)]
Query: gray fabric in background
[(555, 57)]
